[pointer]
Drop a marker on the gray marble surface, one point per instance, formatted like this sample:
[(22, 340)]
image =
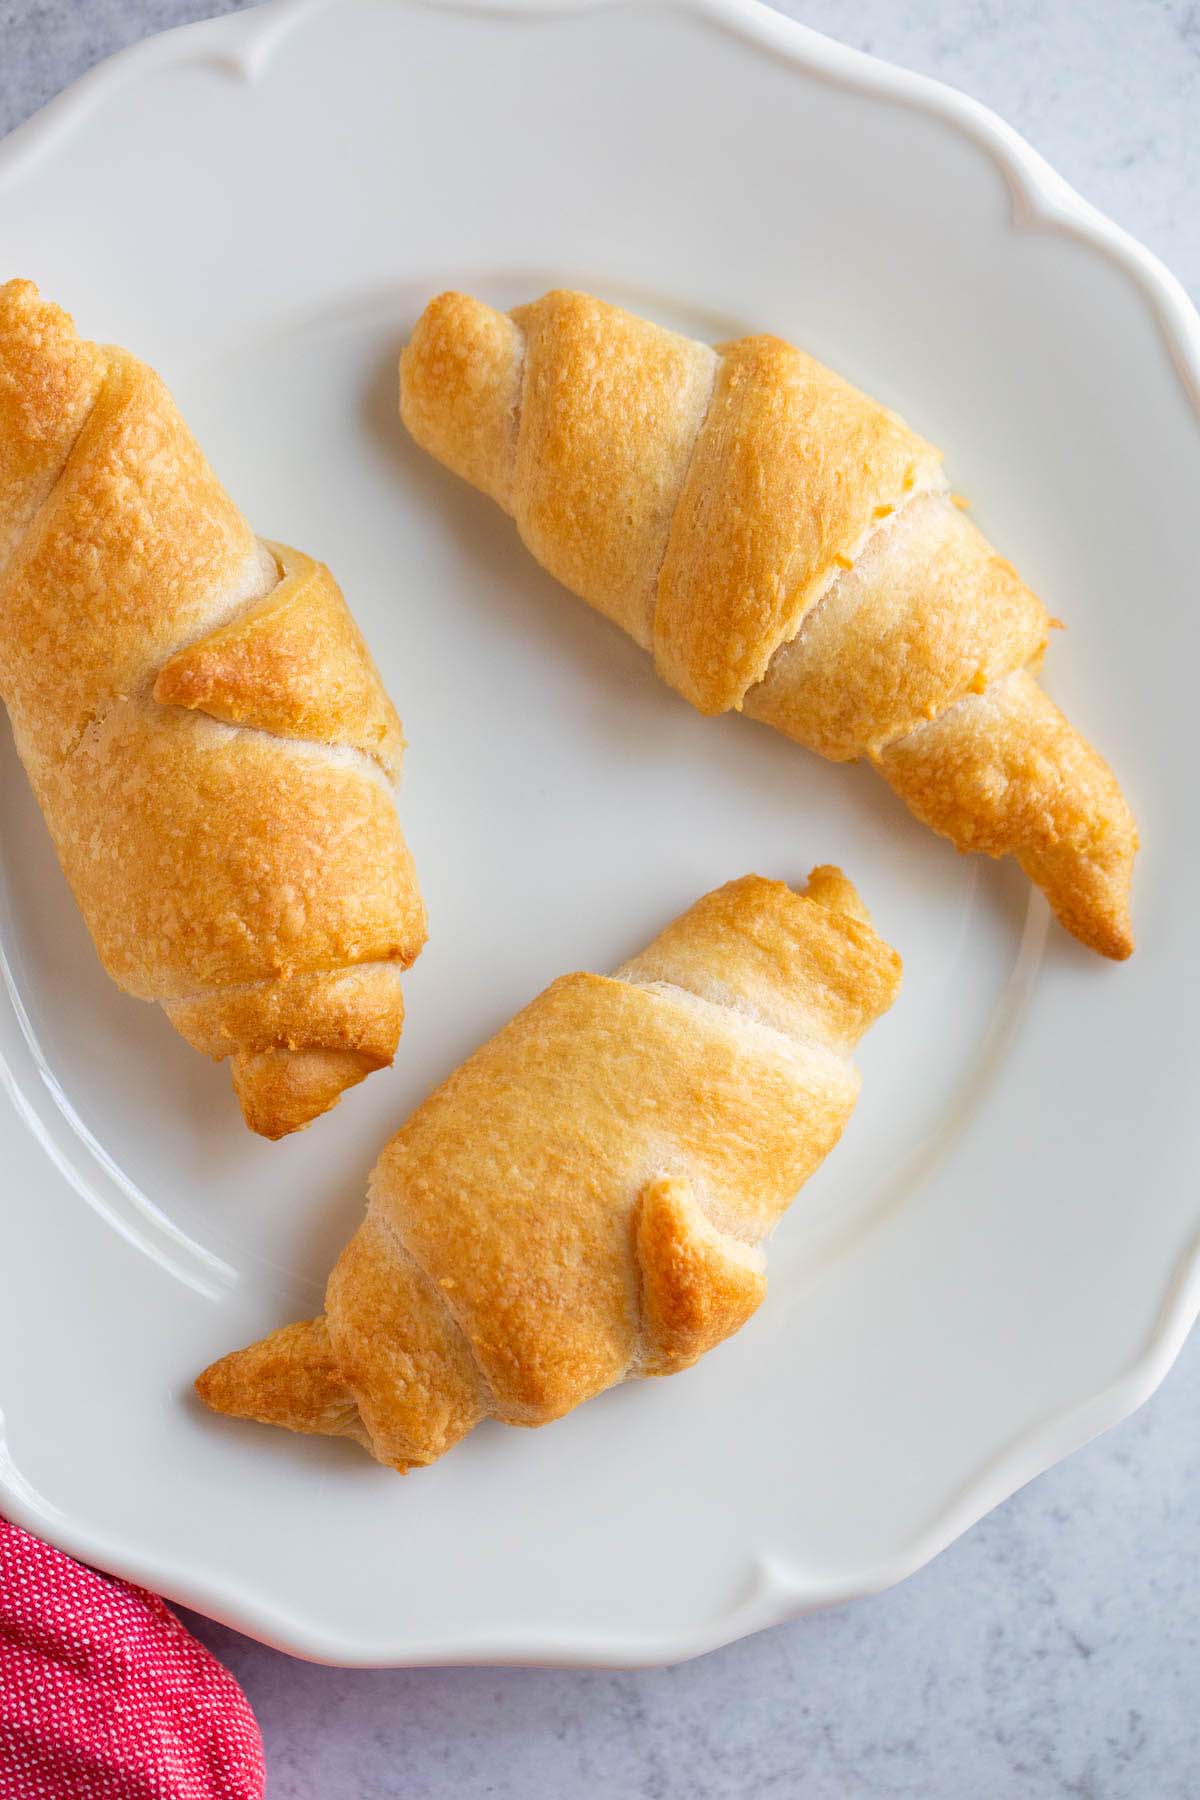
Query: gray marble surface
[(1054, 1651)]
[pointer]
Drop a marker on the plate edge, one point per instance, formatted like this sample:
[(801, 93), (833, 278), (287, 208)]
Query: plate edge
[(242, 45)]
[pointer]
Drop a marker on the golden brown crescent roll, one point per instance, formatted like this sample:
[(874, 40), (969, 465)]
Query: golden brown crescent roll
[(787, 547), (583, 1201), (203, 727)]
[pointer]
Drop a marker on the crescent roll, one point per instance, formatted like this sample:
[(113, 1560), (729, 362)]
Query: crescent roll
[(584, 1201), (204, 730), (786, 547)]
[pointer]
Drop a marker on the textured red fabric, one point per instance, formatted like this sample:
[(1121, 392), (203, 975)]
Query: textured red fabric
[(105, 1696)]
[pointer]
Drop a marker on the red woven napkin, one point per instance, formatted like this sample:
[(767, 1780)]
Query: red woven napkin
[(105, 1696)]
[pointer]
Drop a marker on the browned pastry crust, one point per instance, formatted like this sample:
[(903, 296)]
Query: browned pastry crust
[(784, 546), (583, 1201), (203, 727)]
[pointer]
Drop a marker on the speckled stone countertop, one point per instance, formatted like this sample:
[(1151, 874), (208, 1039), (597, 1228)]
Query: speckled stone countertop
[(1054, 1651)]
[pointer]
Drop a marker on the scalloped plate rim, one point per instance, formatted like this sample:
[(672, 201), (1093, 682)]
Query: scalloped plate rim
[(241, 45)]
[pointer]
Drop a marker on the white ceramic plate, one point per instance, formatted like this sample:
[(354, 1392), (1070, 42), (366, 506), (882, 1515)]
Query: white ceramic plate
[(999, 1259)]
